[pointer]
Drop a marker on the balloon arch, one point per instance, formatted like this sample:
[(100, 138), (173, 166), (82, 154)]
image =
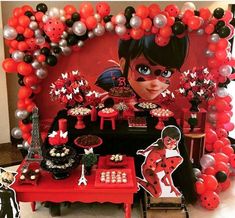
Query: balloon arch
[(37, 37)]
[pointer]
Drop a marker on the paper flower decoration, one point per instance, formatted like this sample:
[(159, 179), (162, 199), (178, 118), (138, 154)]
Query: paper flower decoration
[(57, 138)]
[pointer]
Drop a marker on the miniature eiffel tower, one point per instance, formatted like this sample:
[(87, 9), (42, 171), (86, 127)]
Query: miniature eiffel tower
[(35, 152)]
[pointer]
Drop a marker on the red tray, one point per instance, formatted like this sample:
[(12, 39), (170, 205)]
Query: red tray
[(112, 164), (99, 184), (90, 146)]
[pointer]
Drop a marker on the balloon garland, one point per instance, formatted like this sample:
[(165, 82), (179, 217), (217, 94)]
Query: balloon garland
[(36, 38)]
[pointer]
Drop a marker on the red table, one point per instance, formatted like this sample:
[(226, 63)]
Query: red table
[(67, 189)]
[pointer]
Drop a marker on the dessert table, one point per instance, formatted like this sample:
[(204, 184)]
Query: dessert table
[(67, 189)]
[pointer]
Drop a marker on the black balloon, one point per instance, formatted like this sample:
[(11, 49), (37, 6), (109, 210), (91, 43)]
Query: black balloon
[(221, 176), (76, 16), (46, 51), (20, 37), (56, 50), (129, 11), (178, 27), (51, 60), (21, 82), (218, 13), (69, 23), (224, 32), (128, 26), (83, 37), (219, 25), (41, 7), (20, 76), (28, 58), (47, 38), (28, 13), (232, 22), (107, 18), (197, 13), (72, 39)]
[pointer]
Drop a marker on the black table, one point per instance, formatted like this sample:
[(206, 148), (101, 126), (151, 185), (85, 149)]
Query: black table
[(126, 141)]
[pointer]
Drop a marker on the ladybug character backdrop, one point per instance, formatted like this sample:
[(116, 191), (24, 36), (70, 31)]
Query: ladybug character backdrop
[(153, 48)]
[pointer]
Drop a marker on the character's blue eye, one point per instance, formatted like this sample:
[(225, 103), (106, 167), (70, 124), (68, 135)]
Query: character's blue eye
[(143, 69), (166, 73)]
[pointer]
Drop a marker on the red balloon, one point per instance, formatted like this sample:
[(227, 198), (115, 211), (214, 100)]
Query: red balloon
[(13, 21), (172, 10), (205, 13), (200, 187), (161, 41), (209, 171), (103, 9), (30, 107), (26, 135), (91, 22), (69, 9), (221, 157), (17, 12), (41, 58), (226, 141), (221, 166), (209, 147), (28, 33), (210, 200), (165, 31), (221, 55), (27, 8), (24, 69), (137, 33), (142, 11), (154, 9), (228, 150), (24, 20), (32, 46), (218, 145), (9, 65), (20, 29), (229, 126), (232, 160), (223, 117), (211, 136), (225, 185), (213, 63), (221, 132), (221, 105), (24, 92), (170, 21), (30, 80), (26, 128), (222, 44), (187, 15), (23, 46), (126, 36), (209, 28), (210, 183), (146, 24), (39, 16), (86, 10)]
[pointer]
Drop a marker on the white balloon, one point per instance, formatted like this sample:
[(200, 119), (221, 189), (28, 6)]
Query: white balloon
[(17, 55), (79, 28), (188, 6), (91, 35), (62, 12), (120, 19), (120, 30), (21, 114), (45, 18), (109, 26), (200, 32), (35, 64), (214, 38), (222, 92), (80, 43), (54, 12), (66, 50), (9, 32), (135, 22), (225, 70), (40, 40), (97, 17), (16, 133), (159, 20), (207, 161), (209, 53), (99, 30), (33, 25), (41, 73), (62, 43)]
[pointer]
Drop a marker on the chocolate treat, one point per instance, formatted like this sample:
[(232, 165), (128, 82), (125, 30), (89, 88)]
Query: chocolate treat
[(88, 140), (121, 92)]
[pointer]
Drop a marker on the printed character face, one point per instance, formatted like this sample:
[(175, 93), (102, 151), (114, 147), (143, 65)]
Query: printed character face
[(148, 80), (7, 178), (169, 142)]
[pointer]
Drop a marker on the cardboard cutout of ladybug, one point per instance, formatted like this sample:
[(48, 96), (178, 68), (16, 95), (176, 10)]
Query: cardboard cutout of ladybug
[(9, 205), (161, 159)]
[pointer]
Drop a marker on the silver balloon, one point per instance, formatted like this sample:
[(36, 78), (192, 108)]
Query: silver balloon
[(97, 17), (40, 40), (64, 35), (62, 18), (53, 44), (32, 18), (16, 133), (222, 92), (225, 70), (79, 28), (120, 30), (25, 144), (188, 6), (120, 19), (17, 55), (35, 64), (33, 25), (200, 32), (99, 30), (62, 43), (135, 22), (45, 18), (197, 172), (207, 161), (80, 43), (9, 32), (54, 12), (21, 114), (159, 20), (91, 35), (41, 73), (66, 50), (36, 53), (214, 38), (38, 33), (109, 26), (209, 53)]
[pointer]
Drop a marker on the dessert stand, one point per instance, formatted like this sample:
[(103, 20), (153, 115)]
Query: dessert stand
[(79, 112)]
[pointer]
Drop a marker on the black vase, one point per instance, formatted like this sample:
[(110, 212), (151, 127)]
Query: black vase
[(88, 170), (195, 102), (60, 175)]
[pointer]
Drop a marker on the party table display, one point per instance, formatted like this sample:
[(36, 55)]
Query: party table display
[(79, 112), (137, 122), (29, 176)]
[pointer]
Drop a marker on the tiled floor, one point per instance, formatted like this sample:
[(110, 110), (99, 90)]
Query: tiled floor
[(226, 208)]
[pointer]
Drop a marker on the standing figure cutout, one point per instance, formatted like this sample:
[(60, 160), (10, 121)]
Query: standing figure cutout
[(7, 195), (161, 159)]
